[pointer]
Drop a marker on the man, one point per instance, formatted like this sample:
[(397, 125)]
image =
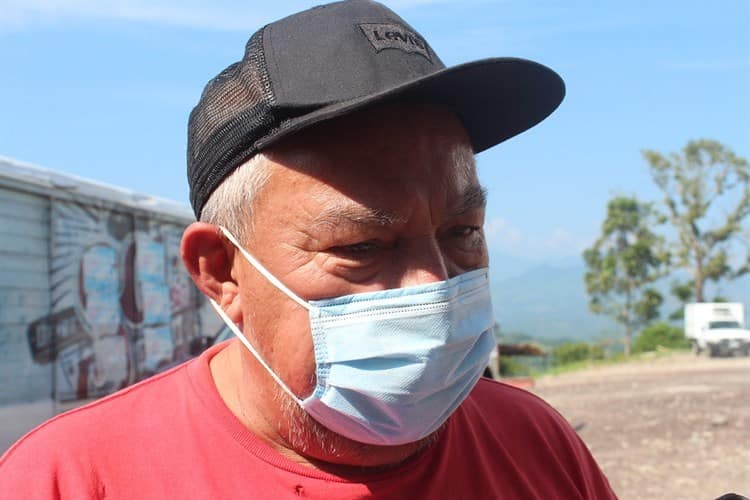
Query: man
[(340, 237)]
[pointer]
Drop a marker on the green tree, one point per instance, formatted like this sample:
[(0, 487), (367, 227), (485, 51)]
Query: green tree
[(684, 293), (571, 352), (622, 262), (660, 334), (706, 192)]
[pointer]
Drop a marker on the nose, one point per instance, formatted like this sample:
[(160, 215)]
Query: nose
[(423, 262)]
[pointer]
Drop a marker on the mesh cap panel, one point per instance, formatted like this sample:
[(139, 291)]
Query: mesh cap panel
[(233, 114)]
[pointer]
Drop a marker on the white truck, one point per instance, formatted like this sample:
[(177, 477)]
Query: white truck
[(717, 328)]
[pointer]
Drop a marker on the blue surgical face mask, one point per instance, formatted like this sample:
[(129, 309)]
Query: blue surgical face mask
[(392, 365)]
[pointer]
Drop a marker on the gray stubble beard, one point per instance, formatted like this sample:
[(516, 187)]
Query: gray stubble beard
[(308, 437)]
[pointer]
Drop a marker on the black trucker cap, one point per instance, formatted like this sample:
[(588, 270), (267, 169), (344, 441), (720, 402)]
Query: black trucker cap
[(336, 59)]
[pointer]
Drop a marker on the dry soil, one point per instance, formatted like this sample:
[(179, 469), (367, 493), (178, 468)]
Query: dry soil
[(671, 427)]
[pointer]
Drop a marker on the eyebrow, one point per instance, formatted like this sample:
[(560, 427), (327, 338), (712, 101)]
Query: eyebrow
[(355, 214), (474, 197)]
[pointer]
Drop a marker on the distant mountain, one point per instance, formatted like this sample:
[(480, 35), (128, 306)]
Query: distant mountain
[(504, 266), (549, 301)]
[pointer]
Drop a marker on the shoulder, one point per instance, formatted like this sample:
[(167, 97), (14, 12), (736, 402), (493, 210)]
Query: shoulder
[(503, 400), (509, 411), (88, 430), (513, 424), (145, 438)]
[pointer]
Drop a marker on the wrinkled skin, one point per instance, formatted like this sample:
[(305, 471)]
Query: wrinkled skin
[(368, 202)]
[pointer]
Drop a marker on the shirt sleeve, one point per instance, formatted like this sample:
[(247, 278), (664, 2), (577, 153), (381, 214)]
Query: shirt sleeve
[(572, 454), (44, 465)]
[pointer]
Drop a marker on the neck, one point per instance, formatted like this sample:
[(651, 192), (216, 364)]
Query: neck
[(272, 416)]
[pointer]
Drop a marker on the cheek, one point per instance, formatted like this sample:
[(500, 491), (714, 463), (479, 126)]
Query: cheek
[(296, 356), (280, 329), (467, 256)]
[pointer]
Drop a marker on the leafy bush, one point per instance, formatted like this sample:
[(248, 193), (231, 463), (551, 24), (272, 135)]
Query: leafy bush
[(572, 352), (510, 367), (596, 351), (660, 334)]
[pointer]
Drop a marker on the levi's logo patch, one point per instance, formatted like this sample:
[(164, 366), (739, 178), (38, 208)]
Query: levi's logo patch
[(394, 36)]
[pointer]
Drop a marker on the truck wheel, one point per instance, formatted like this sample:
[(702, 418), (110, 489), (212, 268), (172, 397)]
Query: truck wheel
[(713, 351), (696, 348)]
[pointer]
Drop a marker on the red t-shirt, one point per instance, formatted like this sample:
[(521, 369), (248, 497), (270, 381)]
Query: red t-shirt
[(171, 436)]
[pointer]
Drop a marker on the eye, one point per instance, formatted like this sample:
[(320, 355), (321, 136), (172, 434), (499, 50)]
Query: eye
[(464, 231), (363, 247), (465, 238), (356, 262), (360, 250)]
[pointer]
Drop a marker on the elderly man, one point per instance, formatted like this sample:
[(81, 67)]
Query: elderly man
[(340, 237)]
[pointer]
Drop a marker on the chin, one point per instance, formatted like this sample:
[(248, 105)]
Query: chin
[(320, 445)]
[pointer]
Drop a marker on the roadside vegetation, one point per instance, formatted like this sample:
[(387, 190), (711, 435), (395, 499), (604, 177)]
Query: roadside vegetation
[(699, 228), (657, 339)]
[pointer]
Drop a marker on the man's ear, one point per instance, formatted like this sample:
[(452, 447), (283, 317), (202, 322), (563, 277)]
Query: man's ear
[(208, 258)]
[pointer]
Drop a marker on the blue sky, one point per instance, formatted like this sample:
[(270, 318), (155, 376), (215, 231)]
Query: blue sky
[(103, 90)]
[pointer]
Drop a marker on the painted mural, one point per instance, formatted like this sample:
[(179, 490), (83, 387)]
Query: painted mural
[(122, 305)]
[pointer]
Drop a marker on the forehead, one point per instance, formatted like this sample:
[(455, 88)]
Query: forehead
[(399, 146)]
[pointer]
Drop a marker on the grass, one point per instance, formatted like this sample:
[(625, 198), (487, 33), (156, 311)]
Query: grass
[(615, 359)]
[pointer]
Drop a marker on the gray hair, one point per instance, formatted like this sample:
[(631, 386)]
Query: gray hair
[(231, 204), (464, 161)]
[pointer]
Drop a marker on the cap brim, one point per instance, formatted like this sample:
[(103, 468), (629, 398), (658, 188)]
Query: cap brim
[(495, 99)]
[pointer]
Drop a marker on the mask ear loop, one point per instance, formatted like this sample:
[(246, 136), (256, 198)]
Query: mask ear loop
[(265, 272), (231, 324)]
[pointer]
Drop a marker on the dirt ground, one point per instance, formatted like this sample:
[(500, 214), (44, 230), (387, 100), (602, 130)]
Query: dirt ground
[(675, 427)]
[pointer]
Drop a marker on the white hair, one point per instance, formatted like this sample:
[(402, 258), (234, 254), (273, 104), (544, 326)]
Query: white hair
[(464, 162), (231, 204)]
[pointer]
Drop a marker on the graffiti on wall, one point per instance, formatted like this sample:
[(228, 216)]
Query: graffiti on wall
[(123, 307)]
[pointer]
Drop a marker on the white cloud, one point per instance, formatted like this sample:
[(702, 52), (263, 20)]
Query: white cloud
[(399, 5), (502, 234), (564, 241), (220, 15)]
